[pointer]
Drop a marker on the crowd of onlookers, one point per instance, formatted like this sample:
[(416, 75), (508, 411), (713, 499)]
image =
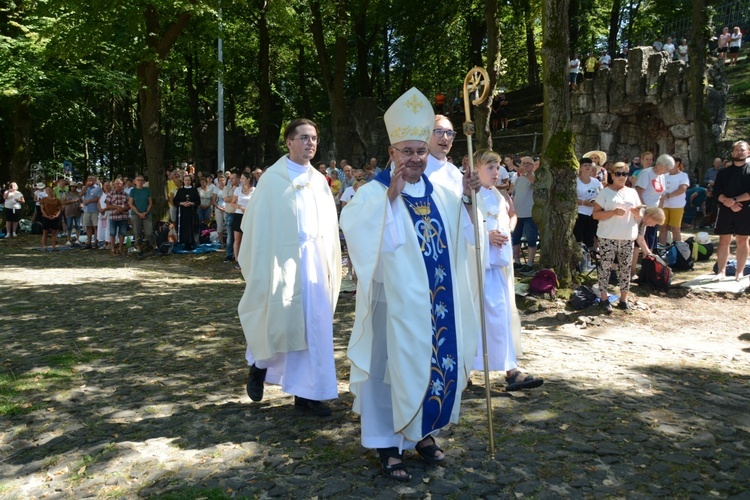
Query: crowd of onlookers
[(728, 45), (203, 207)]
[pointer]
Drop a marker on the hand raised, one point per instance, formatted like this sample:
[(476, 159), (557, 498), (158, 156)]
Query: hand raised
[(398, 181)]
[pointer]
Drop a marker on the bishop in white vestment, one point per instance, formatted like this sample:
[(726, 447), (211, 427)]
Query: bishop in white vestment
[(414, 335)]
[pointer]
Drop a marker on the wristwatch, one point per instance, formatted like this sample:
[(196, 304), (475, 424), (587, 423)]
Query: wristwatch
[(734, 199), (466, 199)]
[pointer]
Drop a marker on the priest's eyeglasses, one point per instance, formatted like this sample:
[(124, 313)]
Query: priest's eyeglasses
[(450, 134), (421, 152), (309, 138)]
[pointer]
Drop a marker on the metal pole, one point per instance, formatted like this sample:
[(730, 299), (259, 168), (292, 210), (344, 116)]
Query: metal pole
[(474, 79), (220, 123)]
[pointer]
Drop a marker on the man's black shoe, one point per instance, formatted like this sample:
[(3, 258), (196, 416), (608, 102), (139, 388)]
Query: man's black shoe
[(229, 259), (317, 408), (255, 379)]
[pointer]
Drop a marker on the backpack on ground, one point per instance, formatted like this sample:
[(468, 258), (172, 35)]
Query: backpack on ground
[(585, 262), (582, 297), (701, 251), (655, 273), (544, 281), (679, 256), (685, 261), (731, 269), (161, 235)]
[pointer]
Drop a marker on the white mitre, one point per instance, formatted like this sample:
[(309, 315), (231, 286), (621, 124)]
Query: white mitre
[(410, 118)]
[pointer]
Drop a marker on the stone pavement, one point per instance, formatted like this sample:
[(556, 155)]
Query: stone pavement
[(134, 387)]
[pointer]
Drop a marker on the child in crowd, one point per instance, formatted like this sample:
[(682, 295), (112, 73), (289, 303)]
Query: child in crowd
[(503, 324), (651, 217)]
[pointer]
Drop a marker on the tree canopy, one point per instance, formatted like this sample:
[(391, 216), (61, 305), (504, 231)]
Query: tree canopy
[(120, 87)]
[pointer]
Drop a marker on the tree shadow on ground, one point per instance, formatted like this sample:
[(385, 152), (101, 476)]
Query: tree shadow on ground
[(153, 401)]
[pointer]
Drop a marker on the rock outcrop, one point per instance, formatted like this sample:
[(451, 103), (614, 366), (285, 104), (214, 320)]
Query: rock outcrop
[(640, 104)]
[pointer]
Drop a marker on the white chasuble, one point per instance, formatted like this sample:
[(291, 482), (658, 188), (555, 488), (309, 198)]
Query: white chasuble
[(391, 347), (291, 261)]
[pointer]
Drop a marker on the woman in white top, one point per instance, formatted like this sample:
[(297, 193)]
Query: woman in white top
[(13, 206), (673, 201), (724, 40), (618, 210), (102, 227), (682, 51), (503, 324), (241, 198), (587, 187), (219, 205), (207, 197), (735, 42), (669, 48)]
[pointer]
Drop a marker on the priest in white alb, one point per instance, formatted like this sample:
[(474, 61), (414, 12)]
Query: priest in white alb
[(291, 261), (414, 335)]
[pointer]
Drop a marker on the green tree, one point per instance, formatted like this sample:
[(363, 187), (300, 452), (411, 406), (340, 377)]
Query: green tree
[(555, 186)]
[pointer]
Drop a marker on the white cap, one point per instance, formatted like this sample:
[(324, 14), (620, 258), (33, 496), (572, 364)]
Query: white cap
[(410, 118)]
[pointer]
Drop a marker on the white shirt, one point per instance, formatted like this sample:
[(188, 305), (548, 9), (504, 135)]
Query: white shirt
[(604, 61), (669, 48), (347, 194), (619, 227), (672, 183), (736, 40), (587, 192), (653, 186), (574, 66), (12, 201), (504, 175), (39, 194), (242, 198)]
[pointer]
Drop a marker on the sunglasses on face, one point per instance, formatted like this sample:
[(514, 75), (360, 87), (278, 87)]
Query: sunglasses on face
[(620, 174)]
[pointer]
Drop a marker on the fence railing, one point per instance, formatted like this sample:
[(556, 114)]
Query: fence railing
[(730, 14)]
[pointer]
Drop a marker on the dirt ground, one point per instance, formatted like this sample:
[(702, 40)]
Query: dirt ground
[(125, 378)]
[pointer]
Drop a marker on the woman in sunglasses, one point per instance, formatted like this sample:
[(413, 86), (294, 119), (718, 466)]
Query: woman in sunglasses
[(618, 210)]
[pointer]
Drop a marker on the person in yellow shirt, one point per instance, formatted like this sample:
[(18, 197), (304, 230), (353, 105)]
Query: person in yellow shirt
[(590, 66)]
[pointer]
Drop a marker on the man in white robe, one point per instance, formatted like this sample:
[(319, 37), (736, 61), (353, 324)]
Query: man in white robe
[(414, 334), (439, 170), (291, 261)]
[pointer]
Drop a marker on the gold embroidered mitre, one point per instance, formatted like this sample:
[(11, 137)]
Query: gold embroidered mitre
[(410, 118)]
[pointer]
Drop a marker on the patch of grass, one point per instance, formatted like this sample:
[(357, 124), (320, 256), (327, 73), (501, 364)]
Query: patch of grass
[(14, 390), (193, 493), (738, 104)]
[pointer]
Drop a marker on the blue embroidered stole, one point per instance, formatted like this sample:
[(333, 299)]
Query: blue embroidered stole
[(440, 395)]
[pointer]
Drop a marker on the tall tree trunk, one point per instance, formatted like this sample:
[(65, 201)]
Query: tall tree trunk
[(614, 28), (364, 41), (194, 89), (302, 77), (482, 112), (533, 66), (555, 187), (477, 31), (333, 74), (385, 94), (632, 13), (575, 30), (160, 41), (153, 141), (19, 163), (701, 149), (264, 85)]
